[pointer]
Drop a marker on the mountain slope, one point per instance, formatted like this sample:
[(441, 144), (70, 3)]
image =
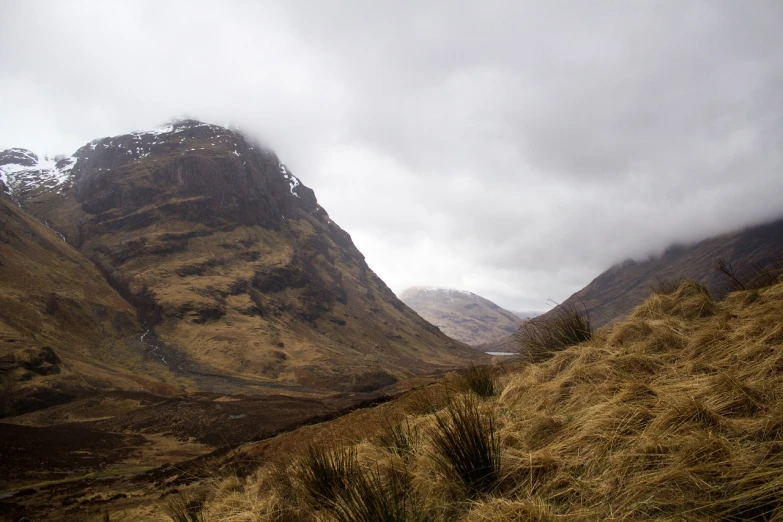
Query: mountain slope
[(63, 329), (461, 315), (233, 266), (614, 293)]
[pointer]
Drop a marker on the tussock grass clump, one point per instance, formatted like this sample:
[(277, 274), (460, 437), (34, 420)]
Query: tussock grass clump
[(398, 437), (480, 380), (666, 285), (541, 337), (180, 508), (324, 472), (427, 400), (466, 444), (692, 300), (646, 338), (371, 497), (282, 478), (751, 277)]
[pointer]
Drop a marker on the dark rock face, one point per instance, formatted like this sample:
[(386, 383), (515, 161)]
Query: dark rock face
[(191, 170), (24, 363), (201, 175)]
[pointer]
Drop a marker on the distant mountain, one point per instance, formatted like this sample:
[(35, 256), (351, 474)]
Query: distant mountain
[(462, 315), (614, 293), (527, 314), (238, 279)]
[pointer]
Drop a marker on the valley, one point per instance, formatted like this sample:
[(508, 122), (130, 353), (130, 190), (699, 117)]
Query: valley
[(232, 277)]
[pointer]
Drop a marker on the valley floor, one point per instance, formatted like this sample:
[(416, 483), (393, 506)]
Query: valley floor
[(124, 449)]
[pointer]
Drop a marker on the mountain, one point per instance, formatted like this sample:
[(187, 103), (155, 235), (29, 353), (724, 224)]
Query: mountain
[(527, 314), (462, 315), (239, 279), (614, 293)]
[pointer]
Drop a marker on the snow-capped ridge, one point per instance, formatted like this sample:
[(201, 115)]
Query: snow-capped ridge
[(441, 289)]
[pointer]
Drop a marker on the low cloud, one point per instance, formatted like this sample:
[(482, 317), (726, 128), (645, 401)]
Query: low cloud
[(514, 149)]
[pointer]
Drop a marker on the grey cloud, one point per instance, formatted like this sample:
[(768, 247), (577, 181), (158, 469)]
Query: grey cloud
[(515, 149)]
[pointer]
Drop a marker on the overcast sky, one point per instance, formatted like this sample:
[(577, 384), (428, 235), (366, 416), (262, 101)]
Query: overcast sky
[(514, 149)]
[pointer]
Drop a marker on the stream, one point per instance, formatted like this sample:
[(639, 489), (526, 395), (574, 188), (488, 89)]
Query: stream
[(153, 348)]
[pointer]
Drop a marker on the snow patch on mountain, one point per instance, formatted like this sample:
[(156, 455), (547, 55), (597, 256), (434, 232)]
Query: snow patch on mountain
[(22, 170), (173, 127), (293, 181)]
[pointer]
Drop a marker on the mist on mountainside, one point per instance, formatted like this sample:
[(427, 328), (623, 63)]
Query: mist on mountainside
[(512, 149)]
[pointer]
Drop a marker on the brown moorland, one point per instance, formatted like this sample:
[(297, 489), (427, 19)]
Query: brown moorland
[(672, 414), (63, 329)]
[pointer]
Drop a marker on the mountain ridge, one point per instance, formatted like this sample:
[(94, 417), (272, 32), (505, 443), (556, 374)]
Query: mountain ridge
[(615, 292)]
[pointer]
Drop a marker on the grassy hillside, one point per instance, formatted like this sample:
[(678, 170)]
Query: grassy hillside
[(673, 414), (63, 330), (613, 294)]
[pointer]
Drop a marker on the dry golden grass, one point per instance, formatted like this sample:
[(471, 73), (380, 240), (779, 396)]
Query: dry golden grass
[(213, 312), (674, 414)]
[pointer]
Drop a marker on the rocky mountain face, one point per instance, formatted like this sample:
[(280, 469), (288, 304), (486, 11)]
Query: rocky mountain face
[(239, 279), (462, 315), (614, 293)]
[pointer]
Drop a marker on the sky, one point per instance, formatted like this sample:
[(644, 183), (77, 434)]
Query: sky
[(515, 149)]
